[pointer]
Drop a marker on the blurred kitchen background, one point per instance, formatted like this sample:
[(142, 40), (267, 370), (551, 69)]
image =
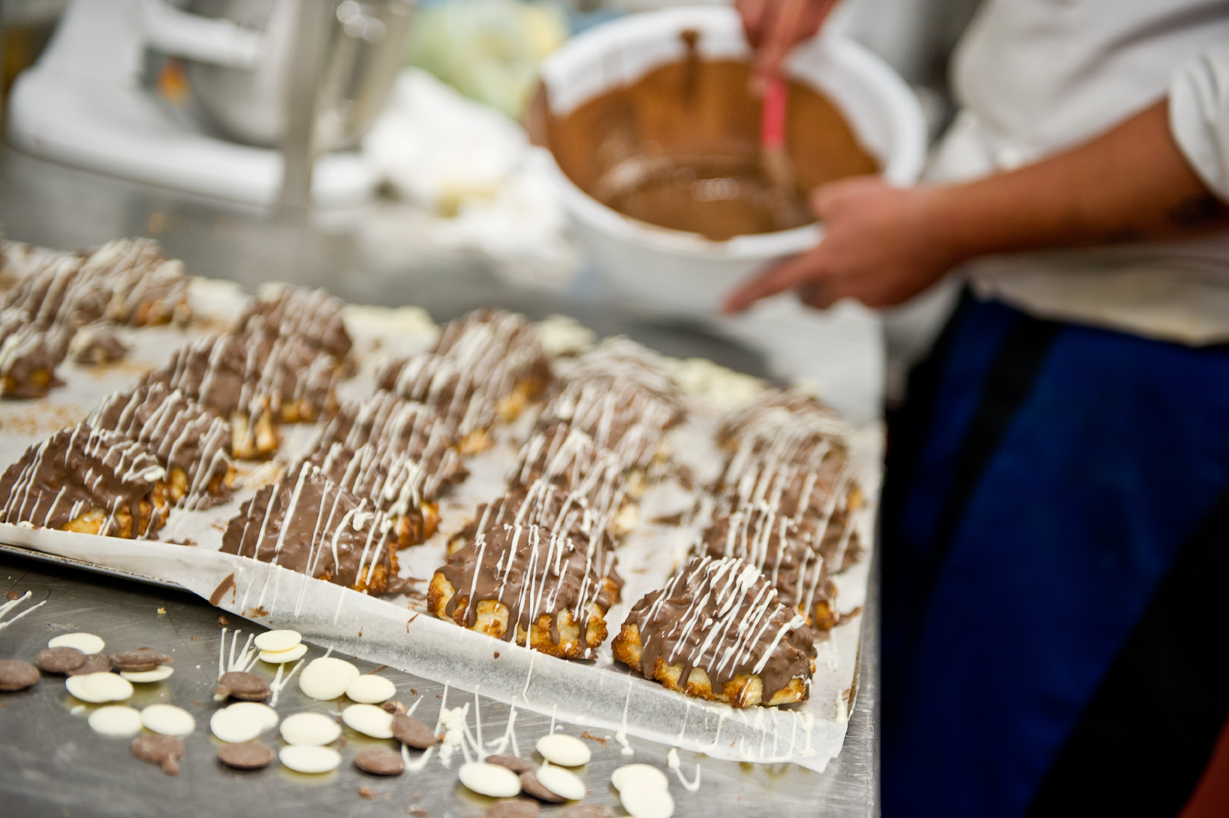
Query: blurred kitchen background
[(445, 156)]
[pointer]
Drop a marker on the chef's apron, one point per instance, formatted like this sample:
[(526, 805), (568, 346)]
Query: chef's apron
[(1055, 537)]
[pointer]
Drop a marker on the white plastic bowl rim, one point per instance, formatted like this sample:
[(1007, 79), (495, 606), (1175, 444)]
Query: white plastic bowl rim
[(904, 158)]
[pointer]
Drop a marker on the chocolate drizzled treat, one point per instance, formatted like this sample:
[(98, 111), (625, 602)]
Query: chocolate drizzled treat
[(520, 583), (89, 481), (189, 440), (397, 484), (28, 357), (623, 359), (139, 285), (620, 416), (803, 417), (559, 511), (255, 381), (309, 524), (468, 405), (95, 344), (217, 372), (287, 311), (718, 631), (42, 291), (501, 356), (816, 490), (395, 425), (568, 458), (784, 553)]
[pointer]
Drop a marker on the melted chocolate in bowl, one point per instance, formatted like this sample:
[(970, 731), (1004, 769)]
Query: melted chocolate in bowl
[(679, 148)]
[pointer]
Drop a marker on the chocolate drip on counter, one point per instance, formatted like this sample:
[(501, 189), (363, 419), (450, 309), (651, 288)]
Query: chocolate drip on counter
[(182, 434), (531, 573), (79, 470), (313, 316), (723, 616), (309, 524)]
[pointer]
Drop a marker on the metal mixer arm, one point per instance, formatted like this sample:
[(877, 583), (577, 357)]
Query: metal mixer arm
[(216, 41)]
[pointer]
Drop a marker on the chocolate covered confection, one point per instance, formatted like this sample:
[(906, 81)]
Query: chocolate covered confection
[(138, 284), (623, 359), (398, 484), (312, 316), (775, 409), (520, 583), (309, 524), (89, 481), (190, 441), (28, 357), (217, 371), (718, 631), (468, 404), (560, 511), (390, 424), (42, 291), (784, 553), (96, 343), (500, 351)]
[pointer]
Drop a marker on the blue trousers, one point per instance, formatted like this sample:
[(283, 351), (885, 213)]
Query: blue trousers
[(1055, 532)]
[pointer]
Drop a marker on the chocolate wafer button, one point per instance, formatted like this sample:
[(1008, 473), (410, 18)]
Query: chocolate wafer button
[(59, 660), (241, 685), (412, 732), (16, 675), (380, 761), (139, 659), (245, 756), (516, 764), (94, 663), (531, 785), (155, 748)]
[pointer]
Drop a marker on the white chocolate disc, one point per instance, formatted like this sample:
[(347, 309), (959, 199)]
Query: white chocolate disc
[(278, 640), (235, 727), (564, 783), (371, 689), (309, 729), (650, 803), (281, 657), (116, 720), (313, 760), (256, 711), (640, 777), (168, 720), (565, 751), (97, 688), (489, 779), (146, 676), (327, 678), (369, 720), (87, 643)]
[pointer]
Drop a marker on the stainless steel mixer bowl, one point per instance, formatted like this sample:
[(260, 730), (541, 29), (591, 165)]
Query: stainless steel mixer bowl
[(366, 49)]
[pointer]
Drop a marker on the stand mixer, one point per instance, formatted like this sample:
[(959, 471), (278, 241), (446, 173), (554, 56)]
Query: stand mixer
[(283, 92)]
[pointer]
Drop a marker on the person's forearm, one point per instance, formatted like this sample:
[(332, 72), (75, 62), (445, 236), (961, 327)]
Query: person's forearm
[(1130, 184)]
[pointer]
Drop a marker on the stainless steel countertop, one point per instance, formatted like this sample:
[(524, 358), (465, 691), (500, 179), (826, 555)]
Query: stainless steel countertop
[(52, 763)]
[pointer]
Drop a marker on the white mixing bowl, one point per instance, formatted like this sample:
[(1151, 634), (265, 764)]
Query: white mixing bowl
[(670, 272)]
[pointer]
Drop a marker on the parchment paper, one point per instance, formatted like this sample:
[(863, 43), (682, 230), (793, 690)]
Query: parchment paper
[(598, 693)]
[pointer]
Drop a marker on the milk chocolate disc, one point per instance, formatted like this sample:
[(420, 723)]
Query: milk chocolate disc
[(155, 748), (246, 687), (531, 785), (16, 675), (94, 663), (380, 761), (59, 660), (516, 764), (139, 659), (245, 756), (516, 808), (412, 732)]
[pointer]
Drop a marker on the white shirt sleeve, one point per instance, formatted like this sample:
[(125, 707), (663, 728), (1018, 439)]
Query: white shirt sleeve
[(1199, 115)]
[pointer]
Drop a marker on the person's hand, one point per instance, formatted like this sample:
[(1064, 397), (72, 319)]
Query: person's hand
[(773, 27), (880, 246)]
